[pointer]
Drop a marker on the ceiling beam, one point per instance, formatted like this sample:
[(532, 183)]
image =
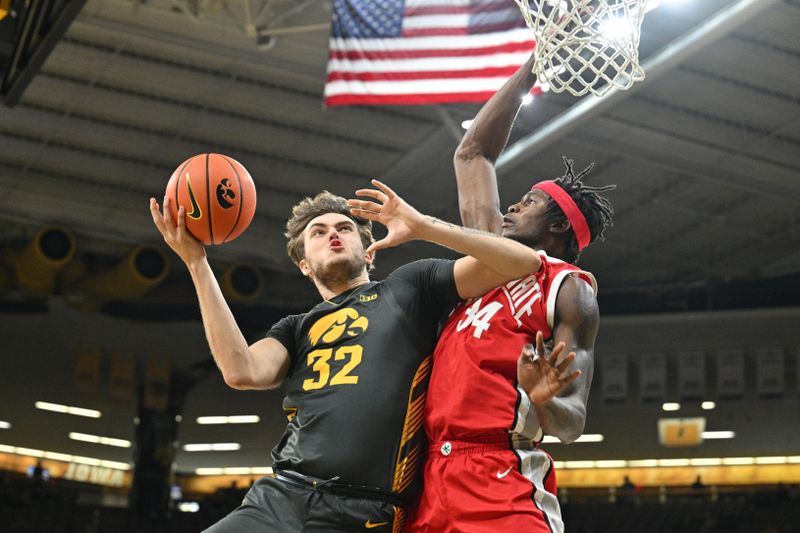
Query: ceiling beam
[(723, 22), (42, 24), (673, 163)]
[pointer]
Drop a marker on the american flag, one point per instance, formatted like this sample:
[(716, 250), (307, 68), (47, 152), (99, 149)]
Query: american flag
[(411, 52)]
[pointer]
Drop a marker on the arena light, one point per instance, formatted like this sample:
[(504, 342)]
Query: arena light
[(717, 435), (237, 471), (707, 406), (64, 457), (579, 464), (682, 462), (673, 462), (735, 461), (467, 123), (651, 5), (208, 471), (95, 439), (67, 409), (55, 456), (527, 99), (611, 464), (212, 447), (590, 437), (615, 29), (643, 463), (619, 28), (779, 460), (705, 461), (188, 507), (234, 471), (5, 425), (235, 419), (30, 452), (587, 437), (670, 406)]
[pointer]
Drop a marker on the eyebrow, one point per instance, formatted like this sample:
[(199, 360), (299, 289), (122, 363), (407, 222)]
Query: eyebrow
[(337, 225)]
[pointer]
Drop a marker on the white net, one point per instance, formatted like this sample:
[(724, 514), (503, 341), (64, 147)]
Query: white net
[(586, 45)]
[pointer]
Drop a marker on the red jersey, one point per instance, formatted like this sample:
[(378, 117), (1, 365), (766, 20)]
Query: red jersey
[(473, 387)]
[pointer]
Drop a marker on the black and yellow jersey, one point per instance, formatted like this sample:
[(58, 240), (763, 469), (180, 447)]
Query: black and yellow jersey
[(358, 376)]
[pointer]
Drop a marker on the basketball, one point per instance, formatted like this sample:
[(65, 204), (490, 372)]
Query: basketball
[(218, 195)]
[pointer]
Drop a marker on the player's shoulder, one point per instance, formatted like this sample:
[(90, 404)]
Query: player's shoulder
[(554, 263), (294, 321), (556, 271), (414, 271)]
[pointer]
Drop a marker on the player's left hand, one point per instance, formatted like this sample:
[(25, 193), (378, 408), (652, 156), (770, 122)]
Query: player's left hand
[(392, 211), (540, 374)]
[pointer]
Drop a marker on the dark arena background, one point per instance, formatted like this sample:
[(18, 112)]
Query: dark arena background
[(113, 415)]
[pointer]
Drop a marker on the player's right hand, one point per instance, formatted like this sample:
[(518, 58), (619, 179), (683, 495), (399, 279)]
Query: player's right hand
[(540, 374), (401, 220), (177, 237)]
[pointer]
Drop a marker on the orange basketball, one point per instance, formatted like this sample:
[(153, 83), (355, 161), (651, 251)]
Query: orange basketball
[(218, 195)]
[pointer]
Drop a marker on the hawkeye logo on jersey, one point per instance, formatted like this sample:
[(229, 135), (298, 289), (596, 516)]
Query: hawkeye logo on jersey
[(367, 297), (331, 327), (336, 365)]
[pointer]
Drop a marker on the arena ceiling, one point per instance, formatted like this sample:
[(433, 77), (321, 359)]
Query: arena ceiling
[(704, 153)]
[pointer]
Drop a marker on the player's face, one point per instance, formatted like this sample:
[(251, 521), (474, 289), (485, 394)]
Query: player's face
[(333, 249), (525, 221)]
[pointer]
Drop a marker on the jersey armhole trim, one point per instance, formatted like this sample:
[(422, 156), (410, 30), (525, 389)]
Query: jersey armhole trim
[(552, 294)]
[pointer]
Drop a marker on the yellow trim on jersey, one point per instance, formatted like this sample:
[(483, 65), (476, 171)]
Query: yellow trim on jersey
[(399, 521), (407, 463)]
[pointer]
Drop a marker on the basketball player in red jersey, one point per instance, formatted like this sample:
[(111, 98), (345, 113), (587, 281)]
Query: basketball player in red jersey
[(492, 395)]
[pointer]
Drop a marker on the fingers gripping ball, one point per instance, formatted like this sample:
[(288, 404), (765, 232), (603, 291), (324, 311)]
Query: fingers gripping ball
[(218, 196)]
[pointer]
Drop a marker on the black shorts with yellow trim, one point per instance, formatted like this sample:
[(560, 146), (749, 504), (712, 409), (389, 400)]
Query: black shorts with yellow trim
[(288, 503)]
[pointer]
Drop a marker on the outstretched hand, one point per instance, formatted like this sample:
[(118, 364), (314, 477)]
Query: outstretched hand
[(175, 234), (389, 209), (540, 374)]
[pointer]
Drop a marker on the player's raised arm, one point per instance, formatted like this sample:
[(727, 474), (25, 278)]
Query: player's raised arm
[(261, 366), (491, 260), (482, 144)]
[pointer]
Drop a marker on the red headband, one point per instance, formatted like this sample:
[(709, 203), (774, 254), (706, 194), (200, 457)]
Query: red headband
[(570, 208)]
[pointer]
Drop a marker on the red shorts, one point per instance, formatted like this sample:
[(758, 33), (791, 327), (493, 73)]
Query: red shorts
[(484, 486)]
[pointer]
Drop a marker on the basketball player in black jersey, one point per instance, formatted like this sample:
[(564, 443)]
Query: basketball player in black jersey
[(355, 366)]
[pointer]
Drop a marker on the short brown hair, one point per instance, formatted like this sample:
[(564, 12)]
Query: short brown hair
[(309, 209)]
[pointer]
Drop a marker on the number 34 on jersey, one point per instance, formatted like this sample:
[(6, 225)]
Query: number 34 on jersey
[(478, 317)]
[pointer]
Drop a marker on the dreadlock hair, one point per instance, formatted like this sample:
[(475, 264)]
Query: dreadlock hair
[(597, 209)]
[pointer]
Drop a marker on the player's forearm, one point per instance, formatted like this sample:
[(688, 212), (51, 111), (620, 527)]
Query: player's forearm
[(488, 134), (563, 418), (504, 256), (482, 144), (228, 345)]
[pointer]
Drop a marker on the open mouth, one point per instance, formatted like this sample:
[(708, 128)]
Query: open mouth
[(336, 245), (507, 222)]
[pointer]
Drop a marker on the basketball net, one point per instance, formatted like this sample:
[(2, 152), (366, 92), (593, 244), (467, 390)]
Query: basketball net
[(586, 45)]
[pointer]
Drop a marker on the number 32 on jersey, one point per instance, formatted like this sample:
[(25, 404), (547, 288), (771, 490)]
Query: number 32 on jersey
[(319, 361), (478, 317)]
